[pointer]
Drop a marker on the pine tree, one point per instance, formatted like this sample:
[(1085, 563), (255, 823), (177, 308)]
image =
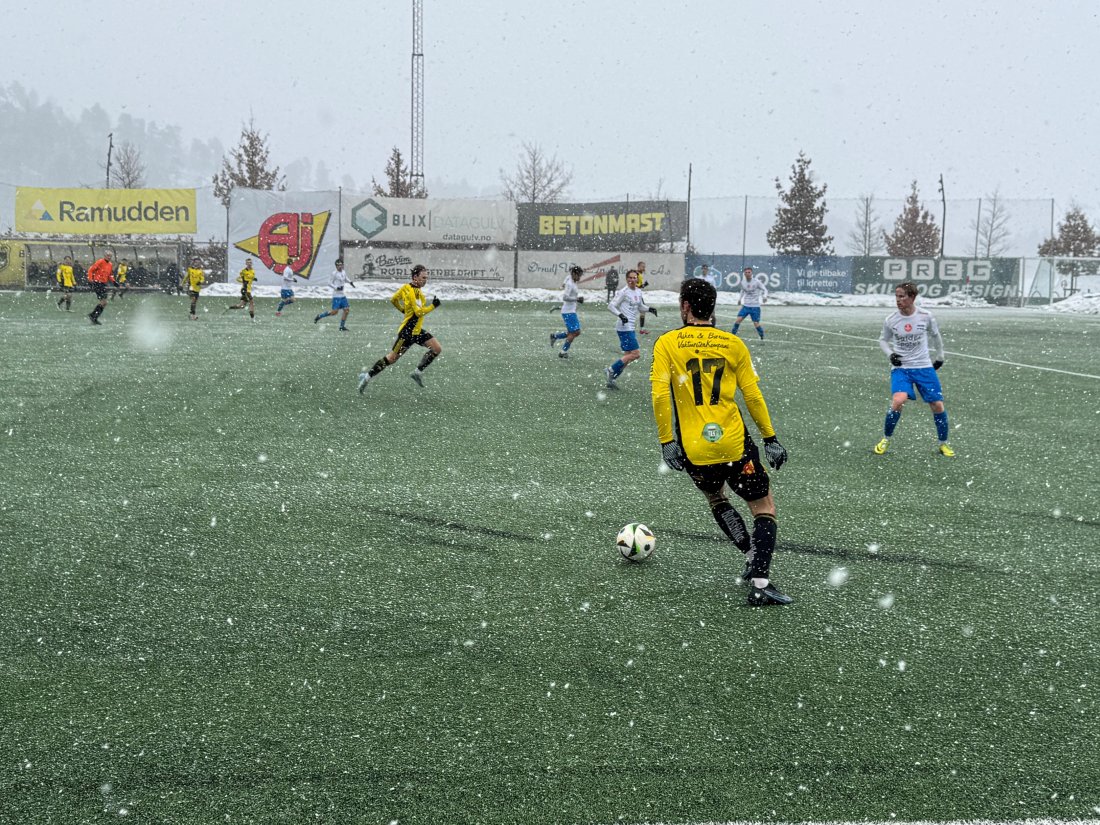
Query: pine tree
[(399, 183), (915, 232), (799, 227), (247, 166), (1075, 239)]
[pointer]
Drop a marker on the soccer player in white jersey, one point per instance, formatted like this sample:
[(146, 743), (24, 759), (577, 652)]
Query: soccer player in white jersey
[(286, 294), (570, 297), (627, 304), (339, 299), (753, 293), (911, 339)]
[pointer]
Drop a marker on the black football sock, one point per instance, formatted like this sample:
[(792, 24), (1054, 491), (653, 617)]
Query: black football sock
[(732, 525), (429, 356), (763, 544), (379, 365)]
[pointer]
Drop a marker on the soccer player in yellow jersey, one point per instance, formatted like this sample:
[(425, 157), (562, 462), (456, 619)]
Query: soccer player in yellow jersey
[(697, 372), (245, 279), (66, 281), (195, 279), (121, 274), (409, 300)]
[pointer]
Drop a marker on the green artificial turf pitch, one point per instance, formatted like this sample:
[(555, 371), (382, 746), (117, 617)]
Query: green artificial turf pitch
[(236, 590)]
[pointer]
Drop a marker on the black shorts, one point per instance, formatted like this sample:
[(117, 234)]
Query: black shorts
[(194, 294), (407, 339), (246, 295), (100, 289), (746, 477)]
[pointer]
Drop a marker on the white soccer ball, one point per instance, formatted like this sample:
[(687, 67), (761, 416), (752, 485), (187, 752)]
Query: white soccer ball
[(635, 542)]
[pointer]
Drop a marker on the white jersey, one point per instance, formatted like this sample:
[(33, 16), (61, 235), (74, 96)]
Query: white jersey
[(569, 293), (753, 292), (288, 277), (339, 281), (628, 302), (910, 336)]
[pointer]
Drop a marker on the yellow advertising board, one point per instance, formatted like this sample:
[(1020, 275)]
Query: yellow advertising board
[(105, 211)]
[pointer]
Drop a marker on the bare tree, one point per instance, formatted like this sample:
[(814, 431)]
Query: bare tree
[(991, 227), (129, 168), (866, 238), (247, 166), (537, 178)]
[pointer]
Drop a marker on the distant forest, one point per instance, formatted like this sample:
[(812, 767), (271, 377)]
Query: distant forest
[(43, 145)]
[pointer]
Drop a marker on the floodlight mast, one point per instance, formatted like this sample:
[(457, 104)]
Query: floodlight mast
[(416, 159)]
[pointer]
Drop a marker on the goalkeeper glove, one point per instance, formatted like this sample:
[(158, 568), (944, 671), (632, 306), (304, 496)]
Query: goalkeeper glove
[(895, 359), (652, 311), (775, 452), (937, 364), (580, 299), (673, 455), (623, 318), (435, 301)]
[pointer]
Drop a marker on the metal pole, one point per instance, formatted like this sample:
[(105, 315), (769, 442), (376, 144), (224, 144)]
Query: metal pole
[(943, 225), (689, 211), (744, 231), (110, 146), (978, 227)]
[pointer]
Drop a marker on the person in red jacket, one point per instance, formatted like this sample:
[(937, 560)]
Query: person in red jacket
[(99, 275)]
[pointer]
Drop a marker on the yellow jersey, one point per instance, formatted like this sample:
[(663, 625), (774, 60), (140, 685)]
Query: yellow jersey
[(696, 373), (247, 276), (195, 278), (414, 305), (65, 276), (121, 276)]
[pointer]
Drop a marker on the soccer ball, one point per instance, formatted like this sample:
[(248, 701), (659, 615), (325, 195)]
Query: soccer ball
[(635, 542)]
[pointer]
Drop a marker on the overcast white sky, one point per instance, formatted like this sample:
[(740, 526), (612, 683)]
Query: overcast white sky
[(990, 94)]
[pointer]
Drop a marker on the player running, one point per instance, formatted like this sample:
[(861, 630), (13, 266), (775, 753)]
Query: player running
[(409, 300), (122, 285), (339, 299), (99, 275), (196, 277), (286, 294), (697, 371), (906, 336), (67, 282), (626, 306), (570, 297), (753, 294), (245, 279)]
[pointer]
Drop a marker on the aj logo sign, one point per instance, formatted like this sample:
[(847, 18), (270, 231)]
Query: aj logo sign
[(288, 239)]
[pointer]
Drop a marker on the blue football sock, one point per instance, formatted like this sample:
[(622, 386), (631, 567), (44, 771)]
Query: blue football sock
[(892, 418), (617, 368), (941, 424), (735, 327), (760, 331), (565, 346), (281, 305)]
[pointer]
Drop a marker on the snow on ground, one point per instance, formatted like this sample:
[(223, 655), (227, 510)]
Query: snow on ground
[(657, 297), (1087, 304)]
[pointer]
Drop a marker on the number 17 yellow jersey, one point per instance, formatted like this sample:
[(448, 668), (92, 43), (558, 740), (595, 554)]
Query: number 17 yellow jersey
[(696, 373)]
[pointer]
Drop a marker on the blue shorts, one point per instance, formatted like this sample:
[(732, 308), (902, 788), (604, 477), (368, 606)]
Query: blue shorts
[(572, 322), (924, 379), (752, 312), (286, 293), (628, 341), (340, 302)]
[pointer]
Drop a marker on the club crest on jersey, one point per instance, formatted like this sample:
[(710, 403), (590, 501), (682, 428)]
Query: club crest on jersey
[(908, 327), (749, 469), (712, 432)]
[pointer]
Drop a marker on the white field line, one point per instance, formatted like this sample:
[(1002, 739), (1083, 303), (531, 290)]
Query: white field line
[(946, 352)]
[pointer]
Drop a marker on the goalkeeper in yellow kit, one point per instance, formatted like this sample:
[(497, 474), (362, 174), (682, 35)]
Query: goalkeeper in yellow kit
[(697, 372), (411, 301)]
